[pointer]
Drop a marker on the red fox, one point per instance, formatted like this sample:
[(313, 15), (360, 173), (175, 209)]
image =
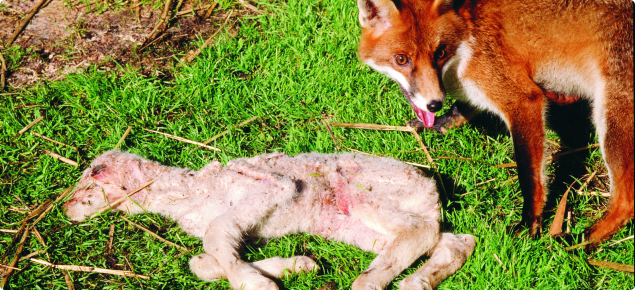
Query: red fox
[(511, 57)]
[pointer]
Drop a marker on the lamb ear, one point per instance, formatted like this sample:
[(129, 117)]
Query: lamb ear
[(377, 14), (99, 171)]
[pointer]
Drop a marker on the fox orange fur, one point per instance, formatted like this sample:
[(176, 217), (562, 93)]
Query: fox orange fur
[(511, 58)]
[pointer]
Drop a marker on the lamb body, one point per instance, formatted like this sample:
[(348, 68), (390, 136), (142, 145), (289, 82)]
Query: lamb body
[(377, 204)]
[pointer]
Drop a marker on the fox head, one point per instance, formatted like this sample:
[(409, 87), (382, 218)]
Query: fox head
[(411, 42), (110, 177)]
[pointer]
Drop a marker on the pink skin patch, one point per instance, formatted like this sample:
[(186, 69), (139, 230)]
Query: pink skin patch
[(424, 116)]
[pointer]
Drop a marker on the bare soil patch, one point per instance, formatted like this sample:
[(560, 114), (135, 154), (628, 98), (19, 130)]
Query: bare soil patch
[(64, 37)]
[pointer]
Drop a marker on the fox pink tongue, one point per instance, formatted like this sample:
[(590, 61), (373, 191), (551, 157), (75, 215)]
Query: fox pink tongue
[(426, 117)]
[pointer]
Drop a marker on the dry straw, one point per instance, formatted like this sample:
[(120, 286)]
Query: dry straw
[(184, 140)]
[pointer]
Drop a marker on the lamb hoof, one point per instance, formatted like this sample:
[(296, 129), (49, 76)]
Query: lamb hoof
[(304, 264), (415, 282), (258, 285), (364, 283), (206, 267)]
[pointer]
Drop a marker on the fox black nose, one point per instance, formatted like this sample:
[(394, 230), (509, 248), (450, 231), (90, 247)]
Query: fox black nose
[(435, 106)]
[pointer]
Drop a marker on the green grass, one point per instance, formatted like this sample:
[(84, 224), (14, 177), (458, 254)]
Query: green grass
[(294, 67)]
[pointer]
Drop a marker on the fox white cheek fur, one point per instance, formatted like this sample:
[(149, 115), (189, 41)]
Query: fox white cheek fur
[(377, 204)]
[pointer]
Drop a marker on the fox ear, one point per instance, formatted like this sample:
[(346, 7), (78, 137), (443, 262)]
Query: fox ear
[(377, 14), (443, 6)]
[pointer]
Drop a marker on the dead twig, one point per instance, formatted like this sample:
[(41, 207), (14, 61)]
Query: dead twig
[(184, 140), (241, 124), (612, 266), (110, 206), (89, 269), (155, 235), (54, 141), (190, 57), (27, 128), (60, 158), (25, 22), (123, 137)]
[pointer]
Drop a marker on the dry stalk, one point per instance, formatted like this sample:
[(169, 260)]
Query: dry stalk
[(132, 269), (184, 140), (250, 7), (556, 225), (60, 158), (29, 256), (425, 151), (88, 269), (54, 141), (27, 128), (163, 19), (155, 235), (622, 240), (167, 261), (26, 21), (9, 267), (577, 246), (552, 157), (210, 7), (371, 127), (586, 182), (28, 106), (50, 206), (335, 141), (3, 73), (190, 57), (68, 280), (123, 137), (110, 206), (417, 164), (18, 251), (209, 11), (241, 124), (111, 236), (500, 262), (612, 266)]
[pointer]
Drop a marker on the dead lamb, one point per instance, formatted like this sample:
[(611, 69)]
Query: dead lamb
[(377, 204)]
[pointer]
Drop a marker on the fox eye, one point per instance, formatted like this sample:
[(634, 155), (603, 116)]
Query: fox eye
[(401, 59), (440, 53)]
